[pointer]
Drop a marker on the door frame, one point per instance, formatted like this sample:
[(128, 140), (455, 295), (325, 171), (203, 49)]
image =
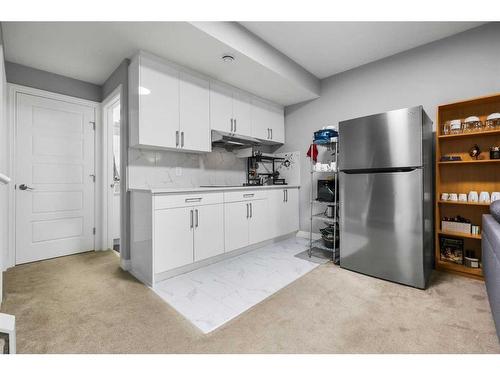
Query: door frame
[(13, 90), (107, 160)]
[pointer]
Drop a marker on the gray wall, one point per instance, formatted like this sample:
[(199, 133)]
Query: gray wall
[(120, 77), (40, 79), (459, 67)]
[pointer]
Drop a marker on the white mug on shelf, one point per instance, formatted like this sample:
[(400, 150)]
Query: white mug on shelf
[(473, 196), (462, 197), (453, 197), (495, 196), (445, 196), (484, 197)]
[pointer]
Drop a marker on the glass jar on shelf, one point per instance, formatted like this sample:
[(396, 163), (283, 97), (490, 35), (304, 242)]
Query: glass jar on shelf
[(455, 126), (473, 123), (493, 122)]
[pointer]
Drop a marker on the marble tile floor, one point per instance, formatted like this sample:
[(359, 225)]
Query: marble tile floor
[(213, 295)]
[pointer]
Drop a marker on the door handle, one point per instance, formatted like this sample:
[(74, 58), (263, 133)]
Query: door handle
[(235, 125), (231, 125), (196, 218), (191, 219), (268, 133), (271, 133), (176, 138), (188, 200), (182, 139), (286, 195), (25, 187), (248, 195), (248, 215), (251, 211)]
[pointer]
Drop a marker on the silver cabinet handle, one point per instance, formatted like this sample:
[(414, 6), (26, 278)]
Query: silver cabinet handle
[(196, 218), (235, 125), (286, 195), (251, 213), (191, 219), (25, 187), (248, 195), (248, 215), (271, 133), (187, 200), (182, 139), (232, 125), (176, 138), (268, 133)]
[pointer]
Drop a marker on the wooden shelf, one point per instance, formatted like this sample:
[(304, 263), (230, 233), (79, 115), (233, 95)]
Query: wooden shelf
[(483, 161), (465, 203), (461, 235), (460, 269), (470, 134), (467, 174)]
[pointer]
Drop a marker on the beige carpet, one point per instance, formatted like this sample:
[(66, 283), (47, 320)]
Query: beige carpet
[(86, 304)]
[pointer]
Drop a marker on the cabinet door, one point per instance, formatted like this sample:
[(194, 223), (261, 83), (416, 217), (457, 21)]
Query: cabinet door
[(221, 107), (242, 113), (173, 238), (276, 201), (158, 104), (277, 124), (291, 213), (259, 221), (260, 120), (236, 217), (194, 113), (208, 231)]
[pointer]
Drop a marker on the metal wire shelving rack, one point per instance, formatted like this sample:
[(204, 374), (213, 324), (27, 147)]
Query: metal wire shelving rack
[(317, 246)]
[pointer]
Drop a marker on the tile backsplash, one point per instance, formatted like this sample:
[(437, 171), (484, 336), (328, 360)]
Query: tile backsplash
[(158, 169)]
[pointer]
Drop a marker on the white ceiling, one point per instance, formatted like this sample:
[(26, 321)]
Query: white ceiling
[(90, 51), (279, 70), (327, 48)]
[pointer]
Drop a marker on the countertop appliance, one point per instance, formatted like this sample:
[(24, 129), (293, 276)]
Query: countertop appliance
[(326, 190), (386, 195)]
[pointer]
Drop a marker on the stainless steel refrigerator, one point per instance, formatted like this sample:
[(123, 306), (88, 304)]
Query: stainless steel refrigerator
[(386, 199)]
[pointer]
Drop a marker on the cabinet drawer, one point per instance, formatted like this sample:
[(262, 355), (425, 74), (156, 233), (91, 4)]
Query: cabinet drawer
[(244, 195), (186, 200)]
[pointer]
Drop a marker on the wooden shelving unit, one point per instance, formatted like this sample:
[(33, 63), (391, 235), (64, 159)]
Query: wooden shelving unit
[(465, 175)]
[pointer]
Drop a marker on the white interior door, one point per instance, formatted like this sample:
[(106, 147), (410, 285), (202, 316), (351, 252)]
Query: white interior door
[(55, 162)]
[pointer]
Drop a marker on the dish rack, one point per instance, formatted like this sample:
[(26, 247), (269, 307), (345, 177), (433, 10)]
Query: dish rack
[(322, 247)]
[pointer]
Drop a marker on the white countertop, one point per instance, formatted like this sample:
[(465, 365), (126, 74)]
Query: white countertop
[(207, 189)]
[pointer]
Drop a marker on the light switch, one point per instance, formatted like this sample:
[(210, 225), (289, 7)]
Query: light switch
[(178, 171)]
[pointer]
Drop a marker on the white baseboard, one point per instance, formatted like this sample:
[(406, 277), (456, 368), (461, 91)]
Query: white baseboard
[(304, 234)]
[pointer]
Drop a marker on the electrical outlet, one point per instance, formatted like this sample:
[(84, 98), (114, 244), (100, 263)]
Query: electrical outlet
[(178, 171)]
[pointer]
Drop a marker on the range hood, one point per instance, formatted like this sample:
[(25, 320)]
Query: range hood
[(231, 141)]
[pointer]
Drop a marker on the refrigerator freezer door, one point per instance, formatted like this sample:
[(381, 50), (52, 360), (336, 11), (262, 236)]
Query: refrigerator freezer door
[(381, 230), (386, 140)]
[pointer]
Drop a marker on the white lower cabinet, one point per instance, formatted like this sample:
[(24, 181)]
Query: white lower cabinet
[(187, 234), (246, 223), (171, 231), (173, 238), (208, 231), (283, 211)]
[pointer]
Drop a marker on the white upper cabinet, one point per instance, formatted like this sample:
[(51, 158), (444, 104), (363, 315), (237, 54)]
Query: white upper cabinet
[(268, 122), (169, 108), (242, 113), (194, 113), (174, 108), (221, 108), (154, 103), (230, 110)]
